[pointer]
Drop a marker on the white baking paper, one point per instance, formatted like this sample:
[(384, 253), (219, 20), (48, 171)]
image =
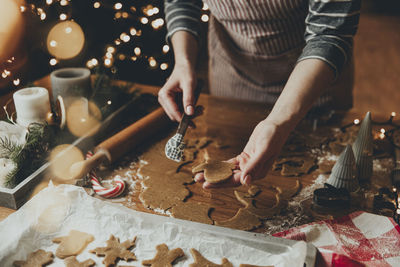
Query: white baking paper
[(57, 210)]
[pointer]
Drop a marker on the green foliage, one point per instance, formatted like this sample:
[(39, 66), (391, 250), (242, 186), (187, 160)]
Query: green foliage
[(30, 156)]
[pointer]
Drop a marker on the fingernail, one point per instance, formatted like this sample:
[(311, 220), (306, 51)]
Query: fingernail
[(189, 110), (247, 179)]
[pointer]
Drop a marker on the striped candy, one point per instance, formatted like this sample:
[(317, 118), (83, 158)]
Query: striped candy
[(103, 191)]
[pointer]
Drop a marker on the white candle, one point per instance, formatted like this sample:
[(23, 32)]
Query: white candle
[(32, 105)]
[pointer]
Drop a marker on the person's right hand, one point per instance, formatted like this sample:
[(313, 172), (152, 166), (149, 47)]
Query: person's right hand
[(178, 92)]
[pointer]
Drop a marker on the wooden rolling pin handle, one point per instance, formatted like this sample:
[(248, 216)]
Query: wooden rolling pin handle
[(125, 140), (81, 168)]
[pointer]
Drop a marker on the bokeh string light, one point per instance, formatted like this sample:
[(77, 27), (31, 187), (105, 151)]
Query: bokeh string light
[(138, 22)]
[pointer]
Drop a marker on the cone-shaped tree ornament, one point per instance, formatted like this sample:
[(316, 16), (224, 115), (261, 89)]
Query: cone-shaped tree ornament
[(344, 172), (362, 148)]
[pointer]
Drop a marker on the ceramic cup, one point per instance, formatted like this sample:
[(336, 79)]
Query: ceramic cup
[(70, 82), (32, 104)]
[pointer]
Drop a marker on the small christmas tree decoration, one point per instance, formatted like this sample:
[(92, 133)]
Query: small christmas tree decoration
[(363, 148), (344, 172)]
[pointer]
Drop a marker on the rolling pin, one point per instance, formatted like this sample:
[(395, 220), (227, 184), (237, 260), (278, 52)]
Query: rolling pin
[(116, 146)]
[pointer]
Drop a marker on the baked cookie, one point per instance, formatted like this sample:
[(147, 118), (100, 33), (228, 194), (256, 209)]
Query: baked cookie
[(36, 259), (200, 261), (115, 250), (73, 262), (72, 244), (164, 257)]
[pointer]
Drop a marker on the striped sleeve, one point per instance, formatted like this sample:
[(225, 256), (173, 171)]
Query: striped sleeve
[(182, 15), (330, 27)]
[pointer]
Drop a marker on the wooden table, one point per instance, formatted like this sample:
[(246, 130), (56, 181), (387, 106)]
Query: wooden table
[(232, 121)]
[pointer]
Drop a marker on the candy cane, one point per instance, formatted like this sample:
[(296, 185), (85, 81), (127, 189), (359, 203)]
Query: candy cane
[(103, 191)]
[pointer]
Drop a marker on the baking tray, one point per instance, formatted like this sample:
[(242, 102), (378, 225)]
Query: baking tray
[(69, 207)]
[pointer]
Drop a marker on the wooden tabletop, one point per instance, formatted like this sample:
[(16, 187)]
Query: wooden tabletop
[(229, 121)]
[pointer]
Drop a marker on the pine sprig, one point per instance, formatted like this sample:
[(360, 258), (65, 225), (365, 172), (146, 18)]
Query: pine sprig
[(30, 156)]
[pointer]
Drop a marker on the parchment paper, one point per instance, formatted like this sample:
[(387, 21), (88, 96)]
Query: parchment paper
[(57, 210)]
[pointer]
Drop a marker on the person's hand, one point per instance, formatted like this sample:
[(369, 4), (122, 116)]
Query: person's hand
[(178, 92), (257, 157)]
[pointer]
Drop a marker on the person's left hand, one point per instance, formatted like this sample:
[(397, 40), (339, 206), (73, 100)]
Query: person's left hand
[(264, 145)]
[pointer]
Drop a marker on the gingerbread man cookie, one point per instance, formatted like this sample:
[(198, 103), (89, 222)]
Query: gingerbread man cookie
[(164, 257), (200, 261)]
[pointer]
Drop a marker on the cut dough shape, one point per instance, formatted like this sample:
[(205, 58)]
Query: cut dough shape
[(72, 244), (288, 193), (192, 211), (248, 202), (254, 190), (302, 166), (189, 154), (73, 262), (36, 259), (115, 250), (164, 257), (160, 196), (243, 220), (200, 261), (203, 142), (215, 171)]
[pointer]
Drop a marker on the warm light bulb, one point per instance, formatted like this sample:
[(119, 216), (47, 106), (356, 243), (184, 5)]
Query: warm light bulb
[(16, 82), (157, 23), (49, 2), (96, 4), (393, 114), (356, 121), (111, 49), (205, 18), (109, 55), (121, 57), (53, 43), (133, 31), (107, 62), (137, 51), (382, 130), (63, 2), (205, 6), (53, 62), (63, 16), (165, 48), (118, 6), (125, 37), (164, 66), (43, 16), (144, 20), (156, 10), (117, 42), (152, 62)]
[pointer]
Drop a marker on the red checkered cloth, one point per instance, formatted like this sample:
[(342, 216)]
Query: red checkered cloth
[(358, 239)]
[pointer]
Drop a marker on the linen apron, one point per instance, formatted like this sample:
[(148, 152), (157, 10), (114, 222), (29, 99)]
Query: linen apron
[(253, 47)]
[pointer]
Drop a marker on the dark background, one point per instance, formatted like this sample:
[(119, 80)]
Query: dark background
[(102, 27)]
